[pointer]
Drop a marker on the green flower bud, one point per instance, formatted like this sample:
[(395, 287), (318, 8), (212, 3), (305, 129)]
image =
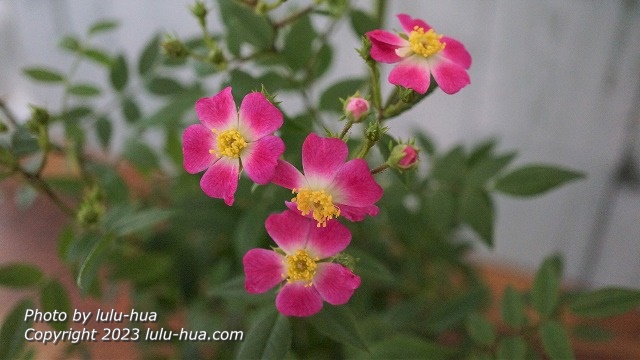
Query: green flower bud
[(174, 48)]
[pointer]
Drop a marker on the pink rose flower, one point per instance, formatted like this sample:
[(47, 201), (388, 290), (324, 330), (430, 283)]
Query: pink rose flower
[(330, 187), (228, 141), (301, 264), (356, 108), (420, 53)]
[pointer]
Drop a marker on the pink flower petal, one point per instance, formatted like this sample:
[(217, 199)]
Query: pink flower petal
[(412, 73), (353, 213), (197, 140), (354, 185), (450, 77), (335, 283), (221, 180), (260, 158), (297, 299), (264, 269), (322, 157), (455, 52), (259, 116), (327, 241), (287, 176), (289, 230), (384, 45), (217, 112), (408, 23)]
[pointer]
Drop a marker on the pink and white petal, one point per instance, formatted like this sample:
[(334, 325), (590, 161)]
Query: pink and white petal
[(297, 299), (408, 23), (353, 213), (322, 157), (197, 140), (327, 241), (289, 230), (354, 185), (221, 180), (287, 176), (260, 158), (450, 77), (456, 52), (259, 116), (263, 269), (411, 73), (219, 111), (335, 283), (384, 45)]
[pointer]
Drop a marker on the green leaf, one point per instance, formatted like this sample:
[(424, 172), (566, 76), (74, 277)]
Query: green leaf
[(119, 74), (362, 22), (450, 167), (426, 143), (86, 90), (245, 26), (76, 113), (90, 265), (233, 290), (268, 338), (130, 110), (605, 302), (98, 56), (243, 83), (476, 210), (480, 330), (69, 43), (450, 313), (146, 268), (512, 308), (173, 110), (592, 333), (512, 348), (44, 75), (368, 267), (535, 179), (338, 323), (487, 168), (149, 56), (141, 156), (330, 98), (250, 230), (546, 286), (104, 129), (440, 207), (54, 296), (124, 220), (555, 341), (23, 142), (164, 86), (12, 337), (103, 26), (298, 43), (20, 275), (406, 347), (322, 61)]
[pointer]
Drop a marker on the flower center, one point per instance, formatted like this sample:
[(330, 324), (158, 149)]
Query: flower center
[(301, 266), (425, 43), (229, 143), (317, 202)]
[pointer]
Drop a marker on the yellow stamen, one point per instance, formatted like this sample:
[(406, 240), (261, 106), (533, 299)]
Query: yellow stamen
[(229, 143), (425, 43), (301, 266), (317, 202)]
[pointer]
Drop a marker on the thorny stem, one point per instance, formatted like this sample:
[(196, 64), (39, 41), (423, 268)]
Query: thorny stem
[(380, 169), (345, 130), (39, 183)]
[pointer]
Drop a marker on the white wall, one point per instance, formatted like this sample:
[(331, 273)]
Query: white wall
[(556, 80)]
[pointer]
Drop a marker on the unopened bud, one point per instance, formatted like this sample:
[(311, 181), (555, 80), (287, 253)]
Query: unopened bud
[(356, 108), (199, 10), (403, 157), (174, 48)]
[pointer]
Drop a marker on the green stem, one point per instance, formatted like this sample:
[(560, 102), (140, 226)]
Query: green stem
[(345, 130), (37, 182), (5, 109), (291, 18)]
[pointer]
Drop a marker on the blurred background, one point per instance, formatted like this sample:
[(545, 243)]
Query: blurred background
[(558, 81)]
